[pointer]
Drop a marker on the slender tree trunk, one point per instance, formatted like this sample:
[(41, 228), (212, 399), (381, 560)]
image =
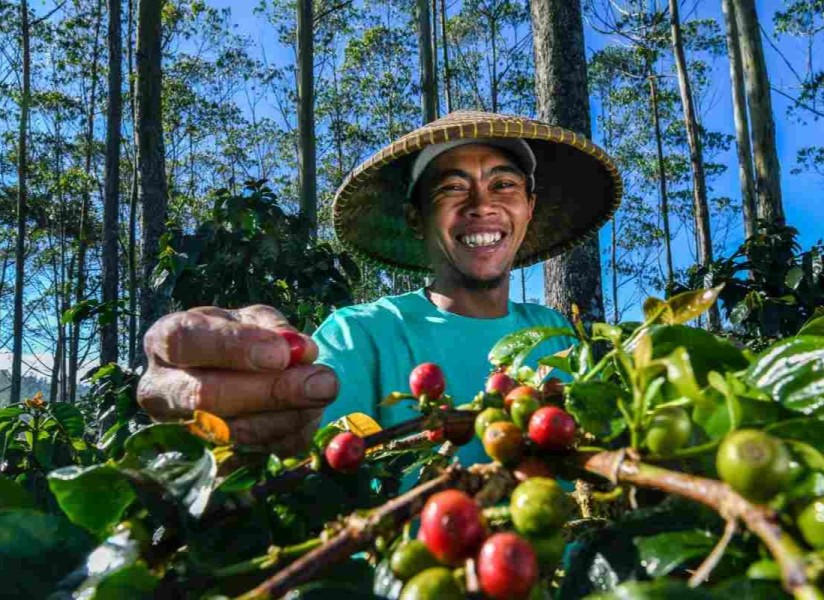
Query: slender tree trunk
[(662, 175), (699, 183), (765, 156), (82, 242), (523, 285), (493, 35), (614, 258), (562, 99), (742, 125), (429, 89), (306, 116), (150, 151), (22, 206), (447, 83), (133, 284), (108, 340), (433, 23)]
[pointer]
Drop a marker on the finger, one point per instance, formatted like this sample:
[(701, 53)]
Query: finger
[(198, 339), (271, 318), (269, 428), (214, 311), (166, 392)]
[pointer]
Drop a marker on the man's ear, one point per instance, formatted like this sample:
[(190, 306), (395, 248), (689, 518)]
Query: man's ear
[(414, 219)]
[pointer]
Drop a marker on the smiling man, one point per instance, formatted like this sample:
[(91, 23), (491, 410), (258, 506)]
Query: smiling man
[(465, 199)]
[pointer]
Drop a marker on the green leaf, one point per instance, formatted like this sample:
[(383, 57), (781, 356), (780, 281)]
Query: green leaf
[(513, 349), (804, 429), (240, 480), (663, 553), (707, 352), (806, 454), (556, 362), (129, 583), (655, 309), (145, 445), (791, 372), (689, 305), (36, 551), (69, 417), (749, 589), (10, 412), (663, 589), (594, 405), (92, 497), (14, 495), (814, 326), (794, 277)]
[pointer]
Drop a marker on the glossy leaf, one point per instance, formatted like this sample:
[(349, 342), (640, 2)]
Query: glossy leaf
[(663, 589), (792, 372), (14, 495), (689, 305), (36, 551), (93, 497), (69, 417), (804, 429), (665, 552), (656, 310), (594, 405), (512, 349), (814, 326)]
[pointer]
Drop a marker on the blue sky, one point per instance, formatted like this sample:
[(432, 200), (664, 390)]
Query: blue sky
[(801, 192)]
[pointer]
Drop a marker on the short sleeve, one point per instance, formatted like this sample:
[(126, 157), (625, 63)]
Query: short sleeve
[(346, 348)]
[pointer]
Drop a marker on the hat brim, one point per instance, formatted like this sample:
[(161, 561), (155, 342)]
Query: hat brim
[(578, 189)]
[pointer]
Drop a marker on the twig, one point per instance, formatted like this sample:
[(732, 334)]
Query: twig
[(702, 573), (358, 532), (759, 519)]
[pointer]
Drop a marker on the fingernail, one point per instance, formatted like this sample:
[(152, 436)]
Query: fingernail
[(267, 355), (321, 386)]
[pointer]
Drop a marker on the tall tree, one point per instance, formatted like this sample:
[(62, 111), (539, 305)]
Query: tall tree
[(22, 205), (447, 75), (429, 88), (699, 182), (108, 339), (742, 124), (306, 114), (563, 100), (150, 150), (765, 155)]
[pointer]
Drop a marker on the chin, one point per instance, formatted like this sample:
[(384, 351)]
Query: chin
[(474, 281)]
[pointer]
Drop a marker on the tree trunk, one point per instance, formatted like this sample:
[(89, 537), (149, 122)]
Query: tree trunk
[(765, 157), (429, 89), (22, 206), (108, 338), (150, 152), (742, 125), (699, 183), (306, 118), (82, 242), (447, 83), (133, 284), (662, 176), (562, 99)]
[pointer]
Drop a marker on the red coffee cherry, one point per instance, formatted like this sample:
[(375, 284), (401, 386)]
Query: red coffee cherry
[(522, 391), (452, 526), (428, 379), (552, 428), (507, 567), (297, 346), (345, 452), (500, 383)]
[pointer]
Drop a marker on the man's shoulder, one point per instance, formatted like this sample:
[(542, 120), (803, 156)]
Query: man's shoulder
[(540, 314)]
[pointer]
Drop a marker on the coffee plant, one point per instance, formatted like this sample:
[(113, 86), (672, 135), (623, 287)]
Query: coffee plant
[(649, 460)]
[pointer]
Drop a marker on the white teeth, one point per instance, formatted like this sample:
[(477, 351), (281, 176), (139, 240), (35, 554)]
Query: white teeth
[(481, 239)]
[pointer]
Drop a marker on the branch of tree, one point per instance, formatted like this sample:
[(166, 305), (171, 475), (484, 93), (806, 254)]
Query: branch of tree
[(797, 102), (37, 22), (759, 519), (319, 17)]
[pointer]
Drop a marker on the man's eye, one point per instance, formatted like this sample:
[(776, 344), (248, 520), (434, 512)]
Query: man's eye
[(505, 184)]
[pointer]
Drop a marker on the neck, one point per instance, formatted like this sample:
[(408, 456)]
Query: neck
[(478, 303)]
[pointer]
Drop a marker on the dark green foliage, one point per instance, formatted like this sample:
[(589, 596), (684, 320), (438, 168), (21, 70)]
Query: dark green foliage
[(253, 252)]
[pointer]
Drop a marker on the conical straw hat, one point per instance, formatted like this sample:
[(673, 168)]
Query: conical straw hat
[(577, 185)]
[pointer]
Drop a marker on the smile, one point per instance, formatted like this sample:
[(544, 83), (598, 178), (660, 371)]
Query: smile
[(481, 240)]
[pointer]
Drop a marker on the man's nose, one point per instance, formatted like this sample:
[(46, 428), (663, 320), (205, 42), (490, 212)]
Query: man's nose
[(480, 202)]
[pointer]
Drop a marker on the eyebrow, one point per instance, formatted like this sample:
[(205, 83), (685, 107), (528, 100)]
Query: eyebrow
[(496, 170)]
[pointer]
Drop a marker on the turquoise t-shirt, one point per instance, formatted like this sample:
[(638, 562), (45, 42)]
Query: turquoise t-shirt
[(373, 347)]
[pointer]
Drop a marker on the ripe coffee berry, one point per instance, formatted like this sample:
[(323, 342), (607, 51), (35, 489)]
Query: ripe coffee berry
[(345, 452), (500, 383), (553, 390), (434, 435), (552, 428), (503, 441), (427, 379), (297, 345), (507, 567), (452, 526)]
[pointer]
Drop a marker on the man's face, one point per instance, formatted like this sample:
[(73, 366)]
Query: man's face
[(475, 212)]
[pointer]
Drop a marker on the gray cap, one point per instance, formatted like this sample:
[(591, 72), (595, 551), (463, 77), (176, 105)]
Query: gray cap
[(517, 147)]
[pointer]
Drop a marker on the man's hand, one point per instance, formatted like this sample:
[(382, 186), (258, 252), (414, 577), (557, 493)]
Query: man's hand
[(235, 364)]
